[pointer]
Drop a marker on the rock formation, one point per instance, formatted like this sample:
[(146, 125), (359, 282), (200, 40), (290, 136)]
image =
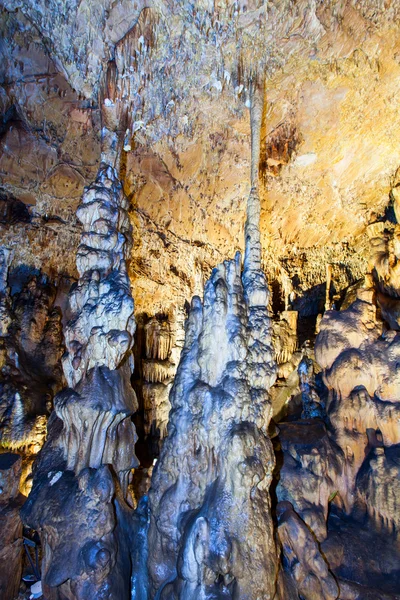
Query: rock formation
[(31, 371), (209, 498), (75, 504), (210, 529), (304, 560), (352, 458), (273, 450), (11, 525), (159, 365), (101, 327)]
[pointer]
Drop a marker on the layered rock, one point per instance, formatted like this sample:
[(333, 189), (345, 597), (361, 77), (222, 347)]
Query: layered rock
[(360, 357), (343, 449), (79, 518)]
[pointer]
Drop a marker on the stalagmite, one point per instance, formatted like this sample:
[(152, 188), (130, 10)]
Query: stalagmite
[(77, 504), (210, 529)]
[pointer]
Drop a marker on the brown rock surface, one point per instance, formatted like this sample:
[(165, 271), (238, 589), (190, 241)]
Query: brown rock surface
[(11, 525)]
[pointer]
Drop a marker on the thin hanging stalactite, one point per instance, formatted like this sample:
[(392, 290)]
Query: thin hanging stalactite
[(252, 257)]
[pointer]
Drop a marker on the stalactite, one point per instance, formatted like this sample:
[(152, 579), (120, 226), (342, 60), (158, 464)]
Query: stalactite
[(252, 256), (328, 287)]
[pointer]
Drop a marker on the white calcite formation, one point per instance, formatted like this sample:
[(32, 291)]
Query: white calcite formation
[(101, 329)]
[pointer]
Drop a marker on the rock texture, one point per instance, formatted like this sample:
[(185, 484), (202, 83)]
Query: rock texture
[(304, 560), (11, 525), (348, 453), (322, 177), (158, 91)]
